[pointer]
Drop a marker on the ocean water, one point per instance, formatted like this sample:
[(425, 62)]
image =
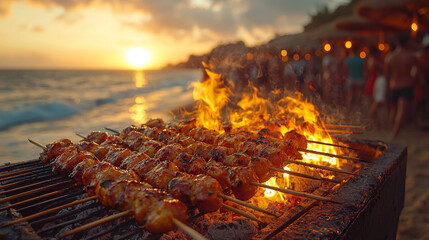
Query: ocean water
[(46, 105)]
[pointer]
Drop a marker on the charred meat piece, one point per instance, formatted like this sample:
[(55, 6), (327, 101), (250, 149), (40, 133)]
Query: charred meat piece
[(91, 147), (133, 159), (54, 149), (202, 191), (298, 140), (240, 179), (115, 156), (78, 170), (113, 140), (237, 159), (169, 152), (150, 147), (203, 135), (97, 137), (219, 172), (161, 174), (134, 140), (65, 162), (155, 123)]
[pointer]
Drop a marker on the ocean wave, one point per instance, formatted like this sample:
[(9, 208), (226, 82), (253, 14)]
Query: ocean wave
[(56, 100), (67, 107), (36, 113)]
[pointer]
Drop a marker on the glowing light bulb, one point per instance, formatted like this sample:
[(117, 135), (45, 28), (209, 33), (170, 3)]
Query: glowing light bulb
[(414, 27), (327, 47), (348, 44)]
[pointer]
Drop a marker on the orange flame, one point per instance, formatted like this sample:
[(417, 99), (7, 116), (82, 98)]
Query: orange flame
[(212, 95), (254, 113)]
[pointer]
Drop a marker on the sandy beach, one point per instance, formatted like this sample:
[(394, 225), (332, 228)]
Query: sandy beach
[(414, 220)]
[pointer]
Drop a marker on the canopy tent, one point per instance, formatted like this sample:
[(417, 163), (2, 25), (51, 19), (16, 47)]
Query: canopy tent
[(314, 38), (396, 13), (364, 27)]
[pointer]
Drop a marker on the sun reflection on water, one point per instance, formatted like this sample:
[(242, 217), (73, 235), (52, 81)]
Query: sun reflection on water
[(140, 79), (138, 111)]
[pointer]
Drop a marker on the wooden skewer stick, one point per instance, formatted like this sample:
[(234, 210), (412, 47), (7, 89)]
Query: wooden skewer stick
[(333, 155), (112, 130), (319, 166), (34, 184), (32, 199), (178, 223), (303, 175), (16, 165), (292, 192), (39, 214), (344, 126), (244, 214), (331, 144), (80, 135), (21, 171), (342, 131), (246, 204), (194, 234), (191, 232), (37, 144), (32, 191), (95, 223), (47, 169)]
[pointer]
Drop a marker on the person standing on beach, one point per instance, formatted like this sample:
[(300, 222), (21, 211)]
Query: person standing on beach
[(355, 81), (398, 66)]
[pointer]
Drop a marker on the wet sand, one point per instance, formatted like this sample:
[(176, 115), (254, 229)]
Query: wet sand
[(414, 219)]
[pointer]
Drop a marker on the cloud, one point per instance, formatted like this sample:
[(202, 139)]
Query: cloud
[(38, 29), (5, 6), (198, 18)]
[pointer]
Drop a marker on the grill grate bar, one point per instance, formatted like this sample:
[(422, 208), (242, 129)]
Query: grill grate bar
[(60, 200), (132, 233), (42, 171), (4, 175), (63, 215), (19, 165), (37, 190), (40, 197), (34, 184), (125, 223), (94, 214), (26, 181)]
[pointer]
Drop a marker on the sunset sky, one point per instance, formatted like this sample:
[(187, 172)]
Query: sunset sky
[(96, 34)]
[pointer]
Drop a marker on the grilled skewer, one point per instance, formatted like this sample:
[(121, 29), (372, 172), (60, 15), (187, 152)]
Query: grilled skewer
[(149, 205), (245, 185)]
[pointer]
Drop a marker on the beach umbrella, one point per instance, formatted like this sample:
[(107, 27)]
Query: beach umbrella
[(401, 14)]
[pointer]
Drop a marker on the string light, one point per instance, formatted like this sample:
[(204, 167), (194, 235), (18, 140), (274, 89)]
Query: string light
[(327, 47), (414, 25), (284, 53), (296, 57), (381, 46), (362, 54), (348, 44)]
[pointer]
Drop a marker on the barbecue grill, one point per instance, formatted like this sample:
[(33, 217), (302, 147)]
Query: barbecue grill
[(366, 205)]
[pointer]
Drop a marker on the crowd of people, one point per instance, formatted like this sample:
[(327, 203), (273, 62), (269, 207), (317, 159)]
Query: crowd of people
[(357, 77)]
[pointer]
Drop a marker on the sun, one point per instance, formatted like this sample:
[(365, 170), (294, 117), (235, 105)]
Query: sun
[(138, 57)]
